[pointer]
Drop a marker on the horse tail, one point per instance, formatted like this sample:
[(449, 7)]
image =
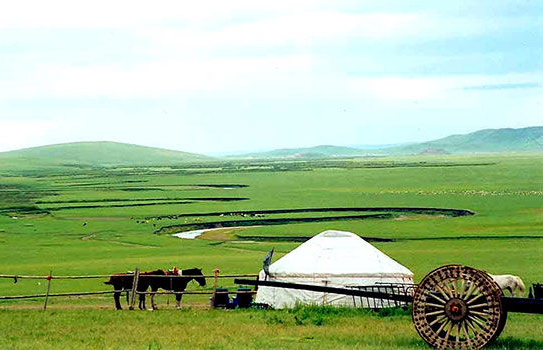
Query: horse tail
[(520, 285)]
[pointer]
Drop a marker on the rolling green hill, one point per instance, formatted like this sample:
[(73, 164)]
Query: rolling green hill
[(482, 141), (101, 153)]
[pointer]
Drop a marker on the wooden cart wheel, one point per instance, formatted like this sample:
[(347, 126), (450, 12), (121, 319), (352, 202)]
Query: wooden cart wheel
[(458, 307)]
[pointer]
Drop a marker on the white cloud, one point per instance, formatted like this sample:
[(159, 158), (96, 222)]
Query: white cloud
[(397, 88), (424, 88), (123, 13), (19, 134), (153, 79), (306, 27)]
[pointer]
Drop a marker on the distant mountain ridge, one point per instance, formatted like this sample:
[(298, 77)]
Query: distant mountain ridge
[(483, 141), (528, 139), (307, 152), (104, 153)]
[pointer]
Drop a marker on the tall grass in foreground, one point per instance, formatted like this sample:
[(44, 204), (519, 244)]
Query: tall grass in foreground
[(300, 328)]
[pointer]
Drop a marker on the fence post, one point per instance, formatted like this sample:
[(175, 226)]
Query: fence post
[(48, 278), (215, 284), (134, 288), (325, 295)]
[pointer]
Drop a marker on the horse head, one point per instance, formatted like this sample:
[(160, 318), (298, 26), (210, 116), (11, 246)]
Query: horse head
[(199, 276)]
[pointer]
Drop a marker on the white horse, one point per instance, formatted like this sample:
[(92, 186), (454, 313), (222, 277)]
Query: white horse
[(510, 283)]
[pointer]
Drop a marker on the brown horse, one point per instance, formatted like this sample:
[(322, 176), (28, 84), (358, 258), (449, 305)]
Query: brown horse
[(123, 282), (176, 282)]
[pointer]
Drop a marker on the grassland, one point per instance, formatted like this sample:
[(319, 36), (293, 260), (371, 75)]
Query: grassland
[(81, 220)]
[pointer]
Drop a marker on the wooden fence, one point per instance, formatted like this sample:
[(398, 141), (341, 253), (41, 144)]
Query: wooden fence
[(132, 293)]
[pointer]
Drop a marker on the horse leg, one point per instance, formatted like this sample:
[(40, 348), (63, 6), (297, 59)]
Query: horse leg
[(117, 297), (141, 304), (153, 305), (178, 300)]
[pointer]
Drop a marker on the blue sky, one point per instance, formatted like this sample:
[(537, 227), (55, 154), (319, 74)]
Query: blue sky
[(226, 76)]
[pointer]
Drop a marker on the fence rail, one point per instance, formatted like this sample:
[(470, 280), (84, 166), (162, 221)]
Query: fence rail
[(9, 297), (202, 293), (119, 274), (132, 292)]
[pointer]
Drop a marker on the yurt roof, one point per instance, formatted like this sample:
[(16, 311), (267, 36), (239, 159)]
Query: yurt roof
[(337, 253)]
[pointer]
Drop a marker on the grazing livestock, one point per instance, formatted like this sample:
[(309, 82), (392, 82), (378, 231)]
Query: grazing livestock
[(510, 283), (176, 282), (173, 280)]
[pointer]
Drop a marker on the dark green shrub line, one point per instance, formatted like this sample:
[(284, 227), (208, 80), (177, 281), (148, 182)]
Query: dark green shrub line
[(300, 238), (263, 222), (23, 210), (381, 239), (413, 210), (226, 199), (467, 237), (115, 205)]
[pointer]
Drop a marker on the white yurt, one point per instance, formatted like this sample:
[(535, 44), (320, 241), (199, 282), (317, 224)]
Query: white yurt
[(331, 258)]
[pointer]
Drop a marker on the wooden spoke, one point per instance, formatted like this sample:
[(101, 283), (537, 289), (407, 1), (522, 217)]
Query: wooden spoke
[(456, 288), (482, 314), (448, 291), (476, 320), (478, 306), (465, 330), (432, 304), (442, 293), (433, 295), (439, 312), (449, 331), (458, 332), (462, 288), (450, 285), (472, 327), (474, 298), (442, 326), (471, 289), (437, 320)]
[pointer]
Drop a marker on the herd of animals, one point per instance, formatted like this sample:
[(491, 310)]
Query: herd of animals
[(176, 281), (173, 280)]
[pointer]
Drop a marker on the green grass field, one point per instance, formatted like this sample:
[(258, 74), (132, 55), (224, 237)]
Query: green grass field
[(43, 228)]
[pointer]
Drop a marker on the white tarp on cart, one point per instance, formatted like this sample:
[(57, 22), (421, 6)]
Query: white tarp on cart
[(331, 258)]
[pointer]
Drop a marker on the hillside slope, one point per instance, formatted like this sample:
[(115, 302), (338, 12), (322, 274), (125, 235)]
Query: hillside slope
[(103, 153), (488, 140)]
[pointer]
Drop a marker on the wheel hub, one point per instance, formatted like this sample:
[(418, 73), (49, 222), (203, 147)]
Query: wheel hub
[(456, 309)]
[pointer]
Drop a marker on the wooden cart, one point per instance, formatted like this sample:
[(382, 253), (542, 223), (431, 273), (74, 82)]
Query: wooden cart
[(454, 306)]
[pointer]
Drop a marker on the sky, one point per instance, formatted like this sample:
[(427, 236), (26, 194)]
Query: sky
[(235, 76)]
